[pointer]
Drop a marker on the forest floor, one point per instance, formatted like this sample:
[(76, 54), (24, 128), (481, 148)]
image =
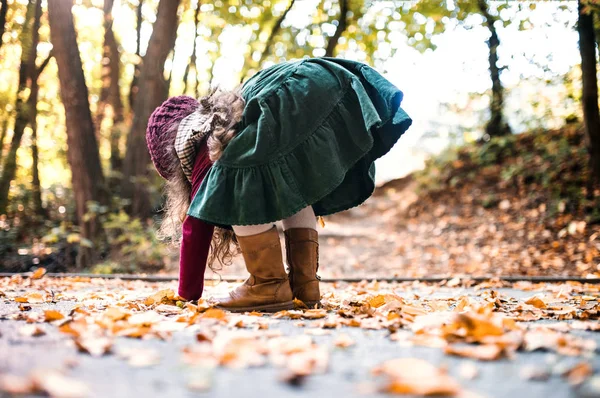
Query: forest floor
[(76, 337)]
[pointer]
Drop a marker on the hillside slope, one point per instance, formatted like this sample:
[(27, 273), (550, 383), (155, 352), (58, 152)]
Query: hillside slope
[(513, 206)]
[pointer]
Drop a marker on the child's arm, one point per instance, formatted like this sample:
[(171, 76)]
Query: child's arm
[(195, 242)]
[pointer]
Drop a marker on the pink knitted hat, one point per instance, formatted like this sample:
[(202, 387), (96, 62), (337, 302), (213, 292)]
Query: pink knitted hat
[(160, 134)]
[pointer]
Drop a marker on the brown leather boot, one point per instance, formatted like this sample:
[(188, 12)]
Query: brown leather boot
[(302, 252), (268, 287)]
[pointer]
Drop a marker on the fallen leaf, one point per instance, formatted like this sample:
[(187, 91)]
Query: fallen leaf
[(57, 385), (31, 298), (417, 377), (93, 345), (314, 314), (484, 352), (32, 331), (140, 357), (116, 313), (578, 373), (535, 373), (166, 296), (16, 385), (536, 301), (147, 318), (299, 304), (52, 315), (215, 313), (168, 309), (38, 273), (343, 341), (468, 371), (201, 337)]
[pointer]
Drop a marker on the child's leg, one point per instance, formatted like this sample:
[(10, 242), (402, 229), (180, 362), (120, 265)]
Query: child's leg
[(247, 230), (305, 218), (302, 252)]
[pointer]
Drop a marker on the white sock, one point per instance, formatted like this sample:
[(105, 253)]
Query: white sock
[(305, 218), (247, 230)]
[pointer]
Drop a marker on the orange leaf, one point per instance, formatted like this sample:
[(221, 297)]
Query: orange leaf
[(39, 273), (52, 315)]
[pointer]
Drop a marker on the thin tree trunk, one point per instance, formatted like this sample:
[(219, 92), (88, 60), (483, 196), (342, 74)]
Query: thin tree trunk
[(589, 98), (35, 175), (153, 90), (82, 154), (3, 135), (497, 125), (29, 40), (193, 56), (110, 94), (133, 88), (3, 11), (274, 32), (340, 29)]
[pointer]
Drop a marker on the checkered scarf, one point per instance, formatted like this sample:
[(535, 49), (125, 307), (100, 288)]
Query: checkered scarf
[(192, 130)]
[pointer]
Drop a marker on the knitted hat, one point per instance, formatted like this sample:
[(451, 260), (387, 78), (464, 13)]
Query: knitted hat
[(161, 131)]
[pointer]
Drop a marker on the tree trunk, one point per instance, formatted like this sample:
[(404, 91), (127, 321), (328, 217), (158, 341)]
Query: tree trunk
[(82, 153), (153, 90), (276, 29), (496, 126), (341, 27), (3, 135), (133, 88), (3, 11), (29, 40), (589, 98), (194, 56), (35, 175), (110, 95)]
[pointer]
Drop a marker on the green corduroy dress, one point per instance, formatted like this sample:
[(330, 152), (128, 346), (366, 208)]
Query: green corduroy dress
[(310, 134)]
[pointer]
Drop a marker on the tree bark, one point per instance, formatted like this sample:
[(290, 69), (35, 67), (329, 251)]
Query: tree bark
[(276, 29), (497, 125), (82, 153), (133, 88), (194, 56), (589, 97), (29, 41), (110, 95), (341, 28), (3, 12), (153, 90)]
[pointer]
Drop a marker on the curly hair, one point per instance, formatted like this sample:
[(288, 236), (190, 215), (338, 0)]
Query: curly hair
[(225, 109)]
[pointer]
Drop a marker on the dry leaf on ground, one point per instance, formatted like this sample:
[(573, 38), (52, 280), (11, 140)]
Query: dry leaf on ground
[(417, 377)]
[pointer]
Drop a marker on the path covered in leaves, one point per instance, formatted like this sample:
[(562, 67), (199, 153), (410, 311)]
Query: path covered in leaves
[(80, 337)]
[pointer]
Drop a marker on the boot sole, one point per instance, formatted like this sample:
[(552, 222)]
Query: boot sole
[(289, 305)]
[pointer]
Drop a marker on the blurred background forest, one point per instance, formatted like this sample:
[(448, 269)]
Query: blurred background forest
[(504, 94)]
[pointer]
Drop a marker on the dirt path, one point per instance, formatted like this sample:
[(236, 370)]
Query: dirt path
[(77, 337)]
